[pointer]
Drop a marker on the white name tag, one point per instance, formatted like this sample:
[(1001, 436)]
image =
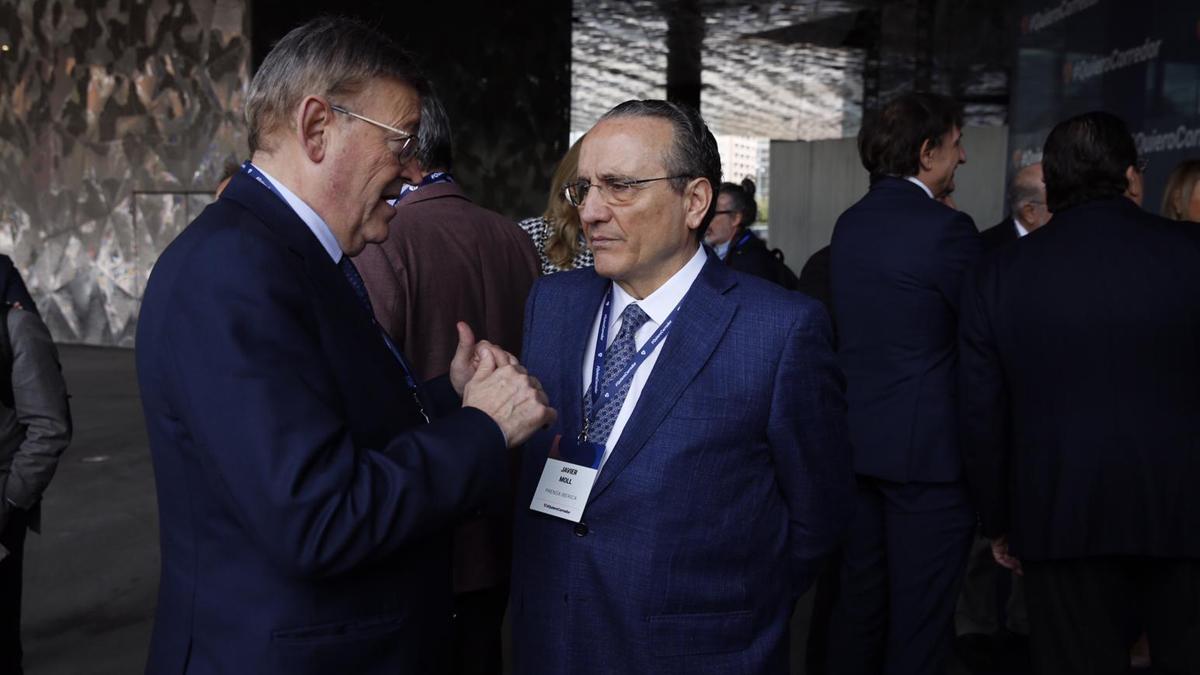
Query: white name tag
[(563, 490)]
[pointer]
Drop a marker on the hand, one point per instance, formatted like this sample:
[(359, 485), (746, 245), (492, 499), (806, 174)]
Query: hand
[(510, 396), (467, 356), (1000, 553)]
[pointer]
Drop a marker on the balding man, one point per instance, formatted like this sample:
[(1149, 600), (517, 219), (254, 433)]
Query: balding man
[(1026, 203), (307, 484)]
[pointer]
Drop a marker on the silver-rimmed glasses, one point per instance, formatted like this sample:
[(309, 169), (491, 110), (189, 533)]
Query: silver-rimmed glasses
[(613, 190), (407, 148)]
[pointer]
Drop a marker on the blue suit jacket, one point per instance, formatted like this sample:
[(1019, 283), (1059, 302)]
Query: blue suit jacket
[(304, 506), (898, 263), (728, 485)]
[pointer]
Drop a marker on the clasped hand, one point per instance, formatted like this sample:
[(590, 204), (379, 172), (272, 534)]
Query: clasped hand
[(492, 380)]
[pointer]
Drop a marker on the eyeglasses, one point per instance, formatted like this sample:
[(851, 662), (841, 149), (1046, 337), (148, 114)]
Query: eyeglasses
[(407, 148), (722, 212), (613, 190)]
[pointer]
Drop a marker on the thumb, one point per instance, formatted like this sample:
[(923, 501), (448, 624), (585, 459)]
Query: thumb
[(487, 365), (466, 342)]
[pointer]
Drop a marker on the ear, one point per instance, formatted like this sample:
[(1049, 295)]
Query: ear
[(1134, 180), (312, 127), (697, 196), (925, 158)]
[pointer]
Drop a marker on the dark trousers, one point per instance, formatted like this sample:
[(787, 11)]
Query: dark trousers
[(478, 616), (1080, 614), (13, 539), (901, 563)]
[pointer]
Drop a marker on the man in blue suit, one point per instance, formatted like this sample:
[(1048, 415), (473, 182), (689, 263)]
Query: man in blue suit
[(307, 485), (712, 435), (898, 260)]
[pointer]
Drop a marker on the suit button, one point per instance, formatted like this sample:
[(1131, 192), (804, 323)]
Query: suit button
[(581, 529)]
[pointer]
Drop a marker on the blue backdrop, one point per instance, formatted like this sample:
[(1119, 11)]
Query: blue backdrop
[(1139, 60)]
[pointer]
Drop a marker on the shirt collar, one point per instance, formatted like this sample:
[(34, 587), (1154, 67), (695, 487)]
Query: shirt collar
[(314, 222), (1021, 231), (659, 304), (917, 181), (722, 249)]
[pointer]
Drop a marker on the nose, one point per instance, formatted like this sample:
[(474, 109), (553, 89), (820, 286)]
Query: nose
[(962, 155), (593, 208)]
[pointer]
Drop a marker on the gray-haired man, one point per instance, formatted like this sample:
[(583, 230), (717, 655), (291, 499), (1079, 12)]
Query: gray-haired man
[(308, 483)]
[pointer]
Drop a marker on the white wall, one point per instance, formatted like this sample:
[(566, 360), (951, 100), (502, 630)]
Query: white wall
[(813, 182)]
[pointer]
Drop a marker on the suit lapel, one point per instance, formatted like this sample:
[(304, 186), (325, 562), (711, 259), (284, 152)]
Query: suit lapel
[(328, 280), (701, 325), (574, 332)]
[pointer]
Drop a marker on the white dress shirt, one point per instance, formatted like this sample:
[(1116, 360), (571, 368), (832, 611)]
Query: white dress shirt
[(722, 250), (1021, 231), (314, 222), (917, 181), (658, 306)]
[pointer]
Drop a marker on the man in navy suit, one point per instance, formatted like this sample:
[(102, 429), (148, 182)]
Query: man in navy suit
[(712, 435), (898, 260), (307, 485), (1081, 412)]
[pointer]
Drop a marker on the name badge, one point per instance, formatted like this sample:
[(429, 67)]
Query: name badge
[(565, 485)]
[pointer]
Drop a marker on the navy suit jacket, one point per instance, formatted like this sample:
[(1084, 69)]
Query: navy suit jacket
[(1081, 386), (999, 234), (898, 262), (727, 487), (304, 506)]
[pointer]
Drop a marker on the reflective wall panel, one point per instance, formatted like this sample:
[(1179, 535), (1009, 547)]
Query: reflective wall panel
[(116, 118)]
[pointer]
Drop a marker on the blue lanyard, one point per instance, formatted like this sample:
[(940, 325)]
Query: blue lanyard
[(644, 353), (743, 239), (254, 172)]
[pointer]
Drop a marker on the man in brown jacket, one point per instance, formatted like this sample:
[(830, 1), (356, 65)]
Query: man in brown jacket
[(448, 260)]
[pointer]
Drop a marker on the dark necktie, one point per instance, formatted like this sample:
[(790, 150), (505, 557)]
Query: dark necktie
[(616, 360), (360, 291)]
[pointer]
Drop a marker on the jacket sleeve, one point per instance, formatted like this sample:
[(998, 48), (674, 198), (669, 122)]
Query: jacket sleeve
[(40, 400), (810, 444), (958, 250), (246, 359), (983, 408)]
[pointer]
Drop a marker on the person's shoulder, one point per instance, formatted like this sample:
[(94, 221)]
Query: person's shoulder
[(225, 241), (761, 300), (24, 326), (568, 282), (534, 226)]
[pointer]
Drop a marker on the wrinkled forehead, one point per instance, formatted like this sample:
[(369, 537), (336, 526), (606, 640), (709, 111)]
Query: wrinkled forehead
[(625, 147)]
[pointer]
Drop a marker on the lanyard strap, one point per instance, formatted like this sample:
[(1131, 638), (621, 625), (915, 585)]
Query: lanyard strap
[(410, 381), (741, 240), (639, 358)]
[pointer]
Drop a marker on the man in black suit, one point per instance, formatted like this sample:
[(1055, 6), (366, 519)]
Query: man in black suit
[(1080, 355), (898, 258), (1026, 203)]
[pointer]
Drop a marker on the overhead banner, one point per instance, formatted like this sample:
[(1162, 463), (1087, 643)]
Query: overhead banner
[(1138, 60)]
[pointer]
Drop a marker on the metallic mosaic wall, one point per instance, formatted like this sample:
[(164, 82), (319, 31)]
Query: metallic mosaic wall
[(116, 118)]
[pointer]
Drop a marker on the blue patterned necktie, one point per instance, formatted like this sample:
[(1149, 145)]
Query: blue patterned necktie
[(616, 359), (360, 291)]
